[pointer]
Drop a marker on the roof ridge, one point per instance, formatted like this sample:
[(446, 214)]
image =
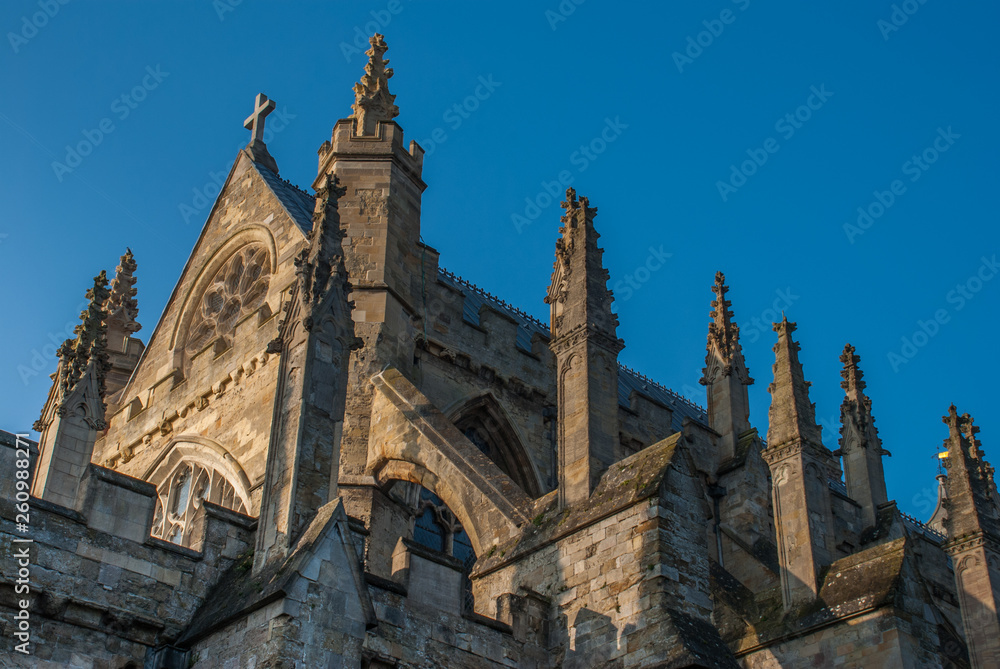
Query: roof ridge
[(484, 293), (673, 393), (921, 525), (296, 187)]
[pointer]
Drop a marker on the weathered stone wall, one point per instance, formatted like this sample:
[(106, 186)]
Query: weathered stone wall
[(101, 589), (872, 640), (617, 580)]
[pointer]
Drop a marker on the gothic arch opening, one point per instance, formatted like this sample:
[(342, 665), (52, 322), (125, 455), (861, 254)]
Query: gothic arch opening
[(190, 472), (484, 423), (232, 285)]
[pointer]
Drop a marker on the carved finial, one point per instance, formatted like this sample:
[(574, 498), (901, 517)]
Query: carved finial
[(851, 373), (372, 101), (123, 309), (857, 423), (725, 355), (577, 211)]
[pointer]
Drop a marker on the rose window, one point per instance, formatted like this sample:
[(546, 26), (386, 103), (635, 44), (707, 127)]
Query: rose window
[(238, 290)]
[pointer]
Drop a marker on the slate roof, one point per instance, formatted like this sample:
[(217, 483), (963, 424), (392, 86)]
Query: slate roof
[(10, 439), (300, 205), (297, 203)]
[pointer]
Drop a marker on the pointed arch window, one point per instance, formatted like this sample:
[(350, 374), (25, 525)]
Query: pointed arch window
[(436, 527), (180, 499), (482, 421), (189, 473)]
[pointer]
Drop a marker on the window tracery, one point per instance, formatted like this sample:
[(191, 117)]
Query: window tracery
[(436, 527), (238, 289), (181, 497)]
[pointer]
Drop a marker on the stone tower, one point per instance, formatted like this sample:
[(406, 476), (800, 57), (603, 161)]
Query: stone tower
[(860, 445), (74, 413), (800, 468), (586, 347), (973, 525), (383, 254), (725, 376)]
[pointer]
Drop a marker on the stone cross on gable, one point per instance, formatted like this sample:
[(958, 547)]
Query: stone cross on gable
[(255, 122)]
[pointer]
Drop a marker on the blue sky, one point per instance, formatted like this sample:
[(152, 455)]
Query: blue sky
[(736, 136)]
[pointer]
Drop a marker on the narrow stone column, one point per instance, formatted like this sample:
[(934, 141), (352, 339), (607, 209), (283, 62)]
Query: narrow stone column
[(800, 468), (860, 445), (725, 376), (586, 347), (973, 528)]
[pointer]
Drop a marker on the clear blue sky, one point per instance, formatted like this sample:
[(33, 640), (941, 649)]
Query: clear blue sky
[(679, 115)]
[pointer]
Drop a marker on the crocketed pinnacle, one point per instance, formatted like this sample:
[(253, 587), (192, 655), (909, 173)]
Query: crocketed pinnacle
[(792, 416), (971, 489), (724, 355), (123, 309), (322, 261), (579, 286)]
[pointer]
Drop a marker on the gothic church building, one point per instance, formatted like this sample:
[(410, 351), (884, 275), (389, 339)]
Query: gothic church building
[(331, 452)]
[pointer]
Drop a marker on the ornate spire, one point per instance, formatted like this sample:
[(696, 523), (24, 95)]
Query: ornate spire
[(856, 409), (725, 355), (579, 270), (322, 260), (792, 416), (860, 445), (88, 349), (965, 452), (372, 100), (122, 306)]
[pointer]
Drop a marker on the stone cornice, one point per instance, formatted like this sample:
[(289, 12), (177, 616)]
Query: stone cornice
[(789, 449), (585, 333), (970, 541)]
